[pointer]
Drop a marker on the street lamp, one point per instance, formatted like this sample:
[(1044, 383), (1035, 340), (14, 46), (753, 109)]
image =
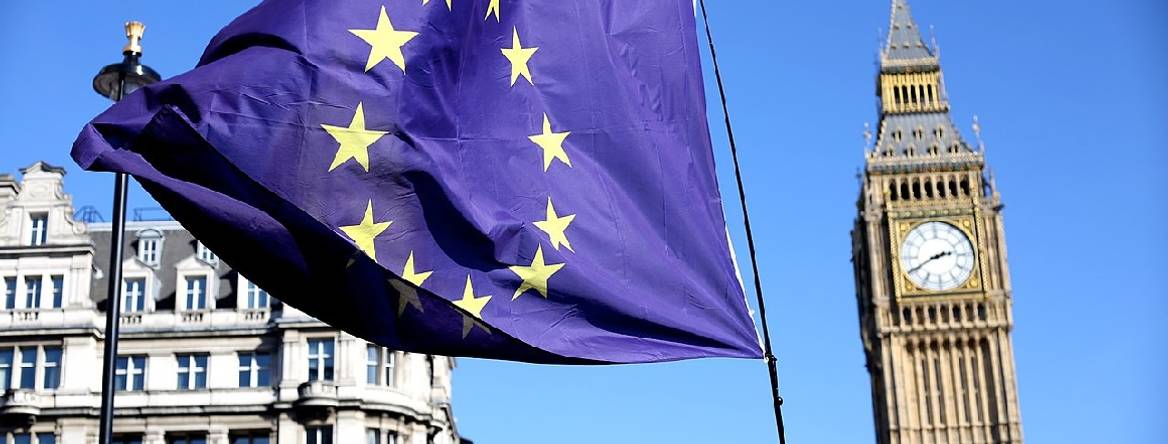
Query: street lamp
[(114, 82)]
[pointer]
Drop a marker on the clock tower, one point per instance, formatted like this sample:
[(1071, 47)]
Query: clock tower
[(932, 284)]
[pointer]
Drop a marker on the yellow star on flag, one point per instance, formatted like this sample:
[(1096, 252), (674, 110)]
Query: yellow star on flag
[(449, 6), (492, 7), (407, 295), (552, 144), (535, 277), (363, 233), (518, 55), (385, 42), (474, 306), (354, 140), (555, 225)]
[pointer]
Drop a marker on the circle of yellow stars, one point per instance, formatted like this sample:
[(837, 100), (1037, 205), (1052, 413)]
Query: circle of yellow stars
[(386, 43)]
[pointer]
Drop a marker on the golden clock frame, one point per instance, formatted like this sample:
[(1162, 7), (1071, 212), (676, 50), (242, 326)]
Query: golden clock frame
[(905, 288)]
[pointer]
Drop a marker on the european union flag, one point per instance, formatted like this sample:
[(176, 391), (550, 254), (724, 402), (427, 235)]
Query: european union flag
[(525, 180)]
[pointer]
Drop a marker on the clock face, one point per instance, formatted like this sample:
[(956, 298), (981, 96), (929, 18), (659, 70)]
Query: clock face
[(937, 256)]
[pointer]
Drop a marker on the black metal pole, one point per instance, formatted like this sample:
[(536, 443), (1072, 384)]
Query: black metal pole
[(113, 299), (768, 354)]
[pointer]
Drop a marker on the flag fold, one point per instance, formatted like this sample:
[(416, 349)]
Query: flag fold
[(522, 180)]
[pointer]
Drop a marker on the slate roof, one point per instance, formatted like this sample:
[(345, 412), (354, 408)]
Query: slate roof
[(177, 244), (927, 124), (904, 37)]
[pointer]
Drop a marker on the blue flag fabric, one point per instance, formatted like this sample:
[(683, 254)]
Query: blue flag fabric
[(522, 180)]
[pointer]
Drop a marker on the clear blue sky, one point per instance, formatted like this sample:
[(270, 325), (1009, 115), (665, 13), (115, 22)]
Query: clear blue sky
[(1073, 98)]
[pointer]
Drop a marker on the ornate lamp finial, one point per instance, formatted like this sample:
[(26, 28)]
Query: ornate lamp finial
[(867, 136), (134, 32), (933, 39), (977, 133)]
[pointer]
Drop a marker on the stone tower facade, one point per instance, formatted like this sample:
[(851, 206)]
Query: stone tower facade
[(932, 284)]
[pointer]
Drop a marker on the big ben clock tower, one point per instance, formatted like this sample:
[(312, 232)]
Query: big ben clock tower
[(929, 252)]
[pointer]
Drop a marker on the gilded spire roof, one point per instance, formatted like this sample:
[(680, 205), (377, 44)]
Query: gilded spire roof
[(904, 39)]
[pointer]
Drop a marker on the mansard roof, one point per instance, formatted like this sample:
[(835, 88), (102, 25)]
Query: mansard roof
[(41, 165), (904, 46), (913, 135)]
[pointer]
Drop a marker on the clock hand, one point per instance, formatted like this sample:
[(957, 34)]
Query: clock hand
[(933, 258)]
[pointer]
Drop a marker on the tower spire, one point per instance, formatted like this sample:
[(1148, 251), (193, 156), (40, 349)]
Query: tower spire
[(904, 37)]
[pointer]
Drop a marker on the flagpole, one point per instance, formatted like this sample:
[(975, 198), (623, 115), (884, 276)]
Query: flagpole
[(768, 354), (112, 82)]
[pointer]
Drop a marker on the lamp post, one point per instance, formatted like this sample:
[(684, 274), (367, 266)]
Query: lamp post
[(115, 81)]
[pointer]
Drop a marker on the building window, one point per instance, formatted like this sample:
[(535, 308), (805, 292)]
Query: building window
[(5, 368), (380, 364), (256, 296), (186, 438), (378, 436), (27, 438), (149, 250), (131, 373), (32, 292), (254, 369), (127, 439), (38, 229), (192, 371), (20, 367), (9, 293), (196, 298), (58, 283), (320, 359), (51, 370), (205, 254), (27, 367), (319, 435), (254, 437), (134, 295)]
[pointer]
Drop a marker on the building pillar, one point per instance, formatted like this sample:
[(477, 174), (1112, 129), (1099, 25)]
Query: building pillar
[(217, 435), (287, 430), (154, 436), (80, 358), (350, 426)]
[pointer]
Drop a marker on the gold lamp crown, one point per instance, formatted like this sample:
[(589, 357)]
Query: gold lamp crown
[(134, 31)]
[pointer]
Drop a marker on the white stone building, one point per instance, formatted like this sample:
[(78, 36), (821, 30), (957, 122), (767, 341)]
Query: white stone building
[(205, 356)]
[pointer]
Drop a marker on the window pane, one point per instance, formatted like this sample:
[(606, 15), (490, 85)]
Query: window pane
[(139, 373), (372, 436), (245, 369), (32, 292), (196, 293), (5, 368), (27, 367), (46, 438), (263, 362), (21, 438), (9, 293), (134, 291), (38, 228), (200, 371), (52, 369), (58, 290), (372, 358)]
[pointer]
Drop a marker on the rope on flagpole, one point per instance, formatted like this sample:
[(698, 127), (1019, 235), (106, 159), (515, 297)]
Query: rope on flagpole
[(768, 354)]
